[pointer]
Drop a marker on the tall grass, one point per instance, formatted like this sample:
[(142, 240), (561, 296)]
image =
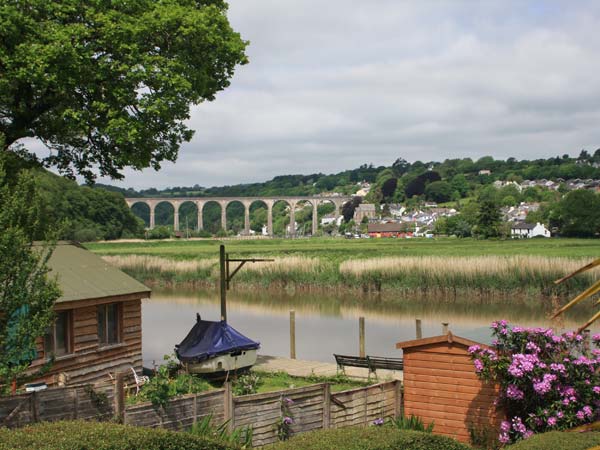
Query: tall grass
[(480, 272), (503, 274)]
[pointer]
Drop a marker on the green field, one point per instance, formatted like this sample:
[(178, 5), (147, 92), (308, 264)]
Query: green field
[(338, 249), (370, 265)]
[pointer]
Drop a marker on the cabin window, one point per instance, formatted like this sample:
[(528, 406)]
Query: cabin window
[(57, 340), (109, 330)]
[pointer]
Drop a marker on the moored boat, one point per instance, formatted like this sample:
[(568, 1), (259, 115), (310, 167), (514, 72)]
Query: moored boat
[(215, 348)]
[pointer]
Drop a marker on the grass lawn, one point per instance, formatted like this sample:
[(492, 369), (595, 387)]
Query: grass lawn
[(339, 249), (279, 381)]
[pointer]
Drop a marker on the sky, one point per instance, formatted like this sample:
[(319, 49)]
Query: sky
[(336, 84)]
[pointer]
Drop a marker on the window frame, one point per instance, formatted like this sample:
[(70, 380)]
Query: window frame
[(69, 347), (118, 322)]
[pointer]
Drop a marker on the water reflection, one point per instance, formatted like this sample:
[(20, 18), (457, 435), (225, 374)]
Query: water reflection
[(327, 324)]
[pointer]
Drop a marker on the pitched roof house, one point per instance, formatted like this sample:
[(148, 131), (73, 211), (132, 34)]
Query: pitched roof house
[(528, 230), (98, 326)]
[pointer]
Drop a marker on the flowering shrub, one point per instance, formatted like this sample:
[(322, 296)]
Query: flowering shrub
[(547, 381), (286, 420)]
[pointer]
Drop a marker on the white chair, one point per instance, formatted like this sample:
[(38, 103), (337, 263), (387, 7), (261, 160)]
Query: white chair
[(140, 380)]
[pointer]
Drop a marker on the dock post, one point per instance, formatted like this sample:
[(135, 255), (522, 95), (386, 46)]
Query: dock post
[(361, 337), (444, 327), (419, 329), (223, 283), (292, 334)]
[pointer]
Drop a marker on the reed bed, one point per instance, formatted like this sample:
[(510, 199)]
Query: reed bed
[(156, 264), (481, 272)]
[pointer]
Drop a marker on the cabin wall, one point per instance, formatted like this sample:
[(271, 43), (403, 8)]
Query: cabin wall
[(90, 362), (441, 386)]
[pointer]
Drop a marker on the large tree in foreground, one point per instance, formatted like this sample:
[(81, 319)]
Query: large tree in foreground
[(27, 294), (109, 84)]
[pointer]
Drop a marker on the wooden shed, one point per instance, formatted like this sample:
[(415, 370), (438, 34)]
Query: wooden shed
[(440, 385), (98, 326)]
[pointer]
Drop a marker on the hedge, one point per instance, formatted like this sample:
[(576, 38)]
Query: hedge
[(80, 435), (370, 438), (556, 440)]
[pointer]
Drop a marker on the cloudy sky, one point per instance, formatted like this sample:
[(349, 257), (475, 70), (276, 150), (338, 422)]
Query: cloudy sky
[(332, 85)]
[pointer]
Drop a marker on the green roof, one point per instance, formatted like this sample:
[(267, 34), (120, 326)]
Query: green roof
[(82, 275)]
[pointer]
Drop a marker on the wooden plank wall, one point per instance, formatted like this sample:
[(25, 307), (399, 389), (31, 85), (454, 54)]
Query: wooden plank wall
[(364, 405), (180, 413), (440, 385), (90, 363), (68, 403), (263, 411)]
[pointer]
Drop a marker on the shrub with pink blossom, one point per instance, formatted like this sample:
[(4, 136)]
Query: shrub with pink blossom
[(547, 381)]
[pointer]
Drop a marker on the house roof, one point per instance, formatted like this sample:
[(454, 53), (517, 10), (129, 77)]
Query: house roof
[(83, 275), (449, 338), (390, 227), (522, 226), (366, 207)]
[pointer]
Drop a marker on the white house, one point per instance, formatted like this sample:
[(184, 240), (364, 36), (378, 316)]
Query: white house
[(331, 219), (528, 230)]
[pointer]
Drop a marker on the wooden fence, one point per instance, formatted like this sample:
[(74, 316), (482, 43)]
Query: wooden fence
[(311, 408), (66, 403)]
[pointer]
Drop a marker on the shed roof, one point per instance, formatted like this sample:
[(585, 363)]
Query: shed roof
[(82, 275), (444, 338), (522, 226)]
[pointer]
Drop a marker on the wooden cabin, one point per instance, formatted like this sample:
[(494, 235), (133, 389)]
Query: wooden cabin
[(441, 386), (98, 326)]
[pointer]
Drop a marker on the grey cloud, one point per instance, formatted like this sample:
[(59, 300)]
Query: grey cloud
[(332, 85)]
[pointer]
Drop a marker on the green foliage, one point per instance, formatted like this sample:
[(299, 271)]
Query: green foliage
[(488, 219), (167, 383), (414, 423), (221, 433), (27, 293), (578, 214), (107, 85), (556, 440), (438, 191), (159, 232), (82, 435), (369, 438), (246, 384)]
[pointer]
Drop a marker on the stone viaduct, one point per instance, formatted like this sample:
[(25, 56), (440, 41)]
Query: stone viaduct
[(200, 202)]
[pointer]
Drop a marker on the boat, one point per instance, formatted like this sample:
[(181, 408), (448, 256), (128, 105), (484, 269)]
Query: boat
[(216, 349)]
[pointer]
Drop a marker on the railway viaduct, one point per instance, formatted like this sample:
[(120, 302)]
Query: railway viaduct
[(200, 202)]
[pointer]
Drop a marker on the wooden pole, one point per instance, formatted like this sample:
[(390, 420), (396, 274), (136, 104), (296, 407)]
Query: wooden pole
[(119, 396), (586, 341), (223, 283), (292, 334), (444, 327), (419, 329), (361, 337), (326, 405)]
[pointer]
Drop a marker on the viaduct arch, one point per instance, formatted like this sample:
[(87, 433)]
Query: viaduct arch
[(315, 201)]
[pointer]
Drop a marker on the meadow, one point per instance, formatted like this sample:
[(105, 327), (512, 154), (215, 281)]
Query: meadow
[(425, 265)]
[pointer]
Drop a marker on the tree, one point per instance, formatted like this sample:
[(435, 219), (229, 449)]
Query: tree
[(460, 184), (349, 207), (401, 166), (27, 294), (388, 188), (109, 84), (578, 214), (438, 191), (488, 219)]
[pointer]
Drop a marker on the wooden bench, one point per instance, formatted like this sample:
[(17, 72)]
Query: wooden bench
[(368, 362)]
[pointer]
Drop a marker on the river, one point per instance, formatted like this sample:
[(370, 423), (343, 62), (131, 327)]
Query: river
[(327, 324)]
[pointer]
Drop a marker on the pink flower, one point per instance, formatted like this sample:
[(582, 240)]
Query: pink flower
[(551, 421), (514, 393), (478, 365)]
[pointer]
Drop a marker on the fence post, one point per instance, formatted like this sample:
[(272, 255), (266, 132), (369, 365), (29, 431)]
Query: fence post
[(120, 396), (292, 334), (228, 413), (35, 407), (326, 405), (418, 328), (367, 405), (195, 408), (398, 400), (361, 337), (76, 404)]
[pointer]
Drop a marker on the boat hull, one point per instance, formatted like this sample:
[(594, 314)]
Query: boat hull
[(231, 362)]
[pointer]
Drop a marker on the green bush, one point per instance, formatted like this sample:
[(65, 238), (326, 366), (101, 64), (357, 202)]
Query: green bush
[(556, 440), (80, 435), (369, 438)]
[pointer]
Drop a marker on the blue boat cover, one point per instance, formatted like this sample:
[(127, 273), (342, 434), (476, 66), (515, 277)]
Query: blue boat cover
[(208, 339)]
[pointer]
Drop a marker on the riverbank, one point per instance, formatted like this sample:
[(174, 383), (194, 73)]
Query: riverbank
[(448, 267)]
